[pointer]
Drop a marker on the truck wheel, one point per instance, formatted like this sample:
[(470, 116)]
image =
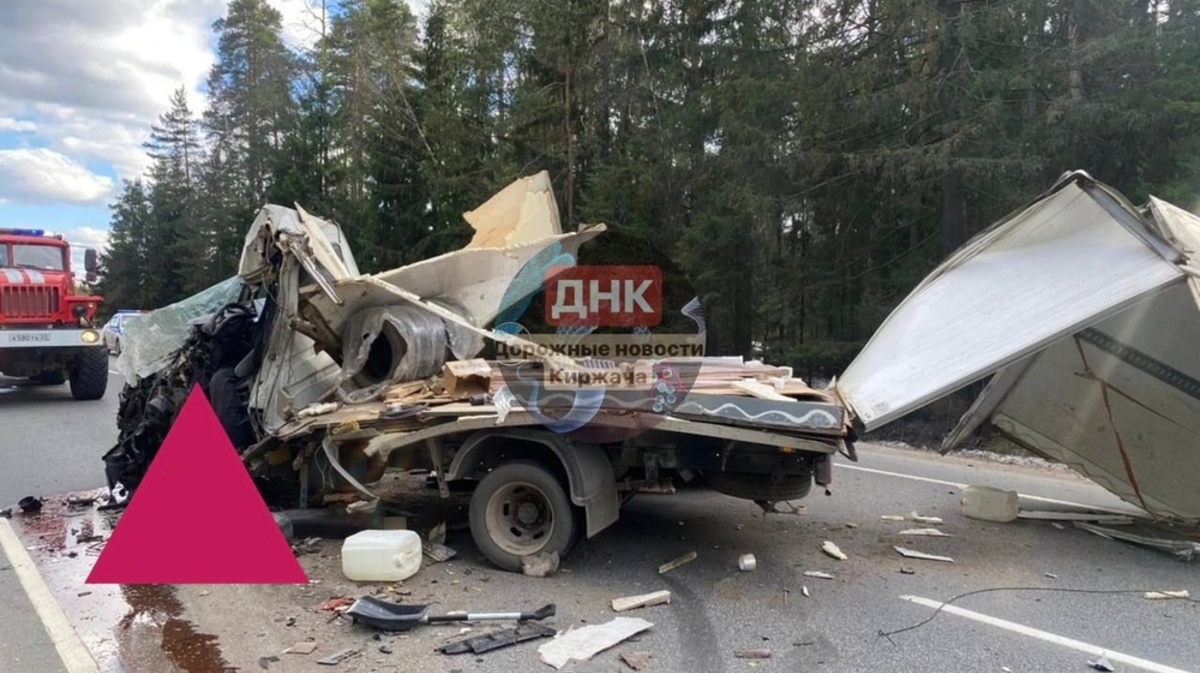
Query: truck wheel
[(89, 376), (761, 487), (520, 509)]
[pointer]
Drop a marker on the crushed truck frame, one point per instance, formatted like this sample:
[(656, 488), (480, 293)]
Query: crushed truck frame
[(323, 376)]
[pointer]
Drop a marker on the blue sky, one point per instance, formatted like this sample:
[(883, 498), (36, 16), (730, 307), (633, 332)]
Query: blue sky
[(81, 81)]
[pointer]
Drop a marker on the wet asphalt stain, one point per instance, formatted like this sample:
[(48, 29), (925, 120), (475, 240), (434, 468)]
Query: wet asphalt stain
[(143, 627)]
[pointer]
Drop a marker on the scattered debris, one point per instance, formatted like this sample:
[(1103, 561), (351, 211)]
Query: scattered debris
[(438, 553), (338, 657), (1149, 536), (385, 649), (641, 601), (302, 647), (664, 487), (989, 504), (832, 550), (1110, 519), (804, 590), (671, 565), (385, 616), (437, 534), (914, 516), (585, 643), (818, 574), (463, 378), (6, 512), (291, 621), (540, 564), (851, 525), (30, 504), (892, 517), (336, 604), (492, 641), (909, 553), (1102, 664), (747, 562), (930, 532), (265, 662), (1059, 526), (1163, 595), (636, 660), (907, 571), (752, 654), (1052, 576)]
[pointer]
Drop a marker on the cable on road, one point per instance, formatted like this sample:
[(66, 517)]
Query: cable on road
[(1110, 592)]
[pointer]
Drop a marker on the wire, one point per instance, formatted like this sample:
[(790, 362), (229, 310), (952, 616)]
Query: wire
[(930, 618)]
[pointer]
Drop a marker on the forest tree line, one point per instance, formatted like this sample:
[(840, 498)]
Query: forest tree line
[(806, 162)]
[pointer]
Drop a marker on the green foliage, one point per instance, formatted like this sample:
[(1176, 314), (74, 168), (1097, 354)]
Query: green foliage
[(799, 164)]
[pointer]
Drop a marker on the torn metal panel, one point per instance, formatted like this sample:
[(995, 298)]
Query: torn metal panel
[(1083, 309), (321, 242), (1044, 274), (1119, 402)]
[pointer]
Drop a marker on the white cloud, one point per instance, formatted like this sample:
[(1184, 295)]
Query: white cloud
[(45, 176), (16, 125)]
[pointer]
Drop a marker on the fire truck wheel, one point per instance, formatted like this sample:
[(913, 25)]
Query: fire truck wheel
[(89, 377)]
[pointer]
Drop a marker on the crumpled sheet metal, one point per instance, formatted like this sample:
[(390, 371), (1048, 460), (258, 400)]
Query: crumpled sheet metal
[(320, 240), (150, 341), (417, 339)]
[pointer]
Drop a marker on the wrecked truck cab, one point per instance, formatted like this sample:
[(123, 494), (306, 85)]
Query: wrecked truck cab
[(340, 374)]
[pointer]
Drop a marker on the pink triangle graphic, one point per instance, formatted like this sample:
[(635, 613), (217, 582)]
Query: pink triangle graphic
[(197, 517)]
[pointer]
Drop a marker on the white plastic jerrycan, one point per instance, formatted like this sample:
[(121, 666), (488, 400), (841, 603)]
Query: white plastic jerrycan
[(381, 555)]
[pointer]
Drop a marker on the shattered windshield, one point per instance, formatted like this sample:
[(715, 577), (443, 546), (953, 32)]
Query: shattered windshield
[(47, 257)]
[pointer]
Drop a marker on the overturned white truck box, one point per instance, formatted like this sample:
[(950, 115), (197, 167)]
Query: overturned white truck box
[(324, 376), (1083, 310)]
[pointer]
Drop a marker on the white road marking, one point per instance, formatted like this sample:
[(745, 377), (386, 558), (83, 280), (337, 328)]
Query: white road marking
[(1095, 650), (71, 650), (1026, 496)]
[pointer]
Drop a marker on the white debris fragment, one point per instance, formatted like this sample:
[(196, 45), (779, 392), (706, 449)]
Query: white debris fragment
[(1162, 595), (583, 644), (892, 517), (804, 590), (317, 409), (818, 574), (914, 516), (641, 601), (929, 532), (910, 553), (832, 549), (1102, 664)]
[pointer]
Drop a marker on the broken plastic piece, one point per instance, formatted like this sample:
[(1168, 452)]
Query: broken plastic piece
[(753, 654), (818, 574), (492, 641), (924, 519), (338, 657), (1102, 664), (636, 660), (930, 532), (1161, 595), (30, 504)]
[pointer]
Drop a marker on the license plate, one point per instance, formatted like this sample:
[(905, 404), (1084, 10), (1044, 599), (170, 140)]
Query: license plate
[(29, 338)]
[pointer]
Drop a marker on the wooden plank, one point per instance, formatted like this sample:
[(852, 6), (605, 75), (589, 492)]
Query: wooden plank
[(641, 601), (760, 390)]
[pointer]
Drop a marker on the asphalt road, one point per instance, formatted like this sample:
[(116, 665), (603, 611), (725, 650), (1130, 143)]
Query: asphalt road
[(715, 608), (50, 443)]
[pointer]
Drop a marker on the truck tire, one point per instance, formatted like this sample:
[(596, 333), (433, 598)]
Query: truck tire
[(761, 487), (89, 376), (520, 509)]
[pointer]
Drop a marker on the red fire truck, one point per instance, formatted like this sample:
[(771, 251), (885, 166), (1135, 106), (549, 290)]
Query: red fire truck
[(47, 330)]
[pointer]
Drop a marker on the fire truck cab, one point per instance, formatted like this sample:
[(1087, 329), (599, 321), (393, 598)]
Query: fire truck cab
[(47, 330)]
